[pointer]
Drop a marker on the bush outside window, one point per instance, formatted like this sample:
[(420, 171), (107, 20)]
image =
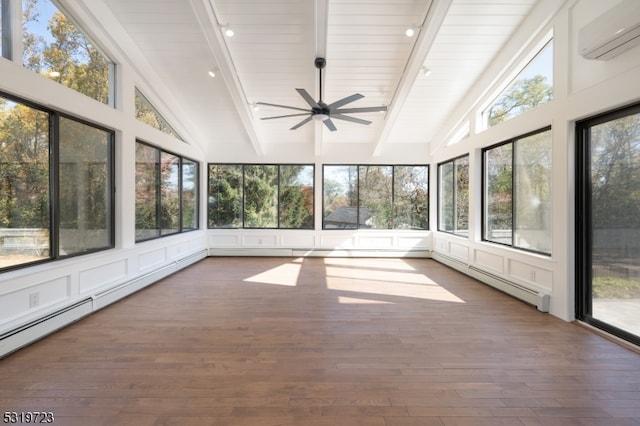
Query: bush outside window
[(261, 196)]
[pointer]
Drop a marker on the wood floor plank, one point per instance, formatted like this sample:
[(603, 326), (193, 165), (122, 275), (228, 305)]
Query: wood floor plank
[(314, 342)]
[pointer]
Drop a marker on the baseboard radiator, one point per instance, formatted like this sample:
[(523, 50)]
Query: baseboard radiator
[(299, 252), (28, 333), (535, 298)]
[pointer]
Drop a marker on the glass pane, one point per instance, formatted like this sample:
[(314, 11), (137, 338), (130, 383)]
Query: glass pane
[(375, 196), (340, 197), (169, 193), (24, 184), (498, 215), (615, 186), (445, 197), (532, 227), (532, 87), (85, 188), (55, 48), (261, 196), (189, 194), (296, 196), (411, 197), (147, 194), (149, 115), (461, 208), (225, 196)]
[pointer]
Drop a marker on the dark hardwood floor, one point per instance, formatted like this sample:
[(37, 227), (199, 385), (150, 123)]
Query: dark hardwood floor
[(284, 341)]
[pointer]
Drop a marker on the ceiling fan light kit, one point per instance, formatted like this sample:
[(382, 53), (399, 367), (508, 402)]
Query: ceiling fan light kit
[(320, 111)]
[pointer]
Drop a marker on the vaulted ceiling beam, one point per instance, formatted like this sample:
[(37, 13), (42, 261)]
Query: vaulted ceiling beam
[(427, 34), (206, 15)]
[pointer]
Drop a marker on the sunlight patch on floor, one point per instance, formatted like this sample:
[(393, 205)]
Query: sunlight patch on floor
[(396, 264), (391, 288), (380, 275), (360, 301), (286, 275)]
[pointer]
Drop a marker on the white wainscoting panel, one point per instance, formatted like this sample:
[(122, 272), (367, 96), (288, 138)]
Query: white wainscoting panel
[(152, 258), (459, 251), (224, 240), (489, 261), (34, 298), (102, 275), (376, 242), (530, 274), (260, 240), (299, 239)]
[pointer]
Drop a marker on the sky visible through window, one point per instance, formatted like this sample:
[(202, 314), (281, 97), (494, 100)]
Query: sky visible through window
[(40, 25)]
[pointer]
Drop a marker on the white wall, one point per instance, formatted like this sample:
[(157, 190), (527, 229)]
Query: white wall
[(581, 88)]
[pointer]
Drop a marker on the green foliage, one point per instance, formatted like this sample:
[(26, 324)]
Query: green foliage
[(615, 288), (70, 59), (615, 173), (24, 166), (524, 95)]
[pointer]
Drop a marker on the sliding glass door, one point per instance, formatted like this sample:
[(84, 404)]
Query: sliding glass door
[(608, 222)]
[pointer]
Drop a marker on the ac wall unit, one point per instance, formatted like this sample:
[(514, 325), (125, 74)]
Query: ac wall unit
[(612, 33)]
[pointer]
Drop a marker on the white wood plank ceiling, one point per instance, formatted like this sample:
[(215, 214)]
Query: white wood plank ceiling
[(272, 53)]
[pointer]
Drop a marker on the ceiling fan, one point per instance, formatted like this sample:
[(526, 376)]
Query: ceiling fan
[(320, 111)]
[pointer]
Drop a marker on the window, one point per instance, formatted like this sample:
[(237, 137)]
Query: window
[(166, 193), (85, 187), (261, 196), (375, 197), (517, 193), (54, 47), (190, 194), (148, 114), (453, 196), (532, 87), (608, 221), (38, 222)]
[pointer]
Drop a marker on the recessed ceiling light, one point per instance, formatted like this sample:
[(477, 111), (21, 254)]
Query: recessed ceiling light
[(212, 73), (410, 32), (228, 31)]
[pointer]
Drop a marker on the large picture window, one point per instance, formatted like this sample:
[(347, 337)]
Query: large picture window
[(375, 197), (166, 193), (453, 196), (261, 196), (38, 222), (517, 193)]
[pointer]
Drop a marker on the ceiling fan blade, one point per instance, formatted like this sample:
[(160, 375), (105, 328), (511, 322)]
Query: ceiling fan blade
[(330, 125), (284, 116), (337, 104), (365, 109), (282, 106), (347, 118), (307, 97), (305, 121)]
